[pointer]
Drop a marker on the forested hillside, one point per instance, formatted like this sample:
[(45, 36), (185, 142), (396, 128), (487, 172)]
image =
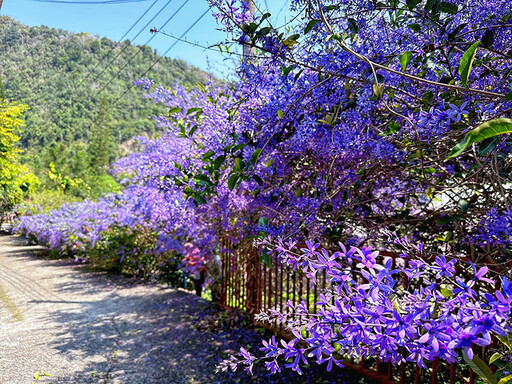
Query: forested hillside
[(48, 69)]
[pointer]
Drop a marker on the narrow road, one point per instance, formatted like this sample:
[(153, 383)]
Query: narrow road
[(80, 327), (77, 326)]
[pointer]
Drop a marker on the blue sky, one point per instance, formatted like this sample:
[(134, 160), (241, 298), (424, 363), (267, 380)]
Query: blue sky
[(114, 20)]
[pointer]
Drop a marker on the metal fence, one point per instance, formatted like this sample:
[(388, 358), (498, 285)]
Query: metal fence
[(249, 285)]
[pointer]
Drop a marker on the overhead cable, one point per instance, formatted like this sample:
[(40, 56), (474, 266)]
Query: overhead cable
[(165, 53)]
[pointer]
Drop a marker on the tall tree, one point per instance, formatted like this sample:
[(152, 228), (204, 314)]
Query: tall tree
[(11, 121), (99, 138)]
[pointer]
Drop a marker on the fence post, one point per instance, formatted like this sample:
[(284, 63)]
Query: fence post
[(252, 284)]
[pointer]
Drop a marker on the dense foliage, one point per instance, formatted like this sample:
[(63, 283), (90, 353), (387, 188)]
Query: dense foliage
[(15, 182), (360, 119)]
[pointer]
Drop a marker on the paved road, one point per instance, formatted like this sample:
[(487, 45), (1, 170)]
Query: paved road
[(77, 326), (86, 327)]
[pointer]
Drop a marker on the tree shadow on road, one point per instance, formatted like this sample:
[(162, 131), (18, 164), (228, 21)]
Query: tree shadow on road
[(111, 329)]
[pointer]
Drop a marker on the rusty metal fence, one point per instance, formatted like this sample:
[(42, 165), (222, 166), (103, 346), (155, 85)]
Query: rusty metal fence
[(249, 285)]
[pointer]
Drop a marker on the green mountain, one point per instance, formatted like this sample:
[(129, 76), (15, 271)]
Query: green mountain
[(48, 70)]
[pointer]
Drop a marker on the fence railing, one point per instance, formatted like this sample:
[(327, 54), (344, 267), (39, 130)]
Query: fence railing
[(251, 286)]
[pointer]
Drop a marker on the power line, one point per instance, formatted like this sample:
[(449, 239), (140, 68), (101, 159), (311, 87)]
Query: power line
[(197, 45), (165, 53), (115, 46), (89, 2), (126, 46), (140, 50)]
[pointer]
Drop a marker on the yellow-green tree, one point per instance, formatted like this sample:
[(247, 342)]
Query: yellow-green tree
[(13, 178)]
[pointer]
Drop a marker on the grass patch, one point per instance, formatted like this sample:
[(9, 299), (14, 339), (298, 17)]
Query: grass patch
[(9, 304)]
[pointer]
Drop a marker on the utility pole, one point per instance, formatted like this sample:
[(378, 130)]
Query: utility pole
[(249, 50)]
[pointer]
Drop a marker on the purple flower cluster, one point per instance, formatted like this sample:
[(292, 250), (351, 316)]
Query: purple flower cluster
[(494, 229), (414, 311)]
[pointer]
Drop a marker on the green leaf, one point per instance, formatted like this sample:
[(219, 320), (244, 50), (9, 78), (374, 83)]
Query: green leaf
[(280, 114), (199, 200), (508, 96), (488, 145), (352, 25), (232, 182), (449, 8), (505, 380), (310, 25), (239, 164), (263, 222), (405, 59), (258, 180), (207, 157), (505, 340), (201, 86), (449, 219), (456, 31), (431, 5), (203, 179), (265, 16), (484, 131), (378, 89), (264, 31), (218, 161), (238, 147), (265, 256), (480, 368), (411, 4), (463, 205), (446, 292), (192, 131), (393, 127), (255, 155), (193, 110), (415, 27), (270, 162), (291, 40), (494, 357), (466, 63), (174, 110)]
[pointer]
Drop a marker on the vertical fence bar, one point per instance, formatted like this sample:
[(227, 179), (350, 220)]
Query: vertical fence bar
[(258, 269), (269, 299), (281, 285), (308, 289), (264, 287), (315, 289), (276, 288), (403, 373), (435, 368), (472, 377), (294, 290), (287, 285)]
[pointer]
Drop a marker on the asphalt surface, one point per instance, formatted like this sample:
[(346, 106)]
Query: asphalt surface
[(60, 319), (77, 326)]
